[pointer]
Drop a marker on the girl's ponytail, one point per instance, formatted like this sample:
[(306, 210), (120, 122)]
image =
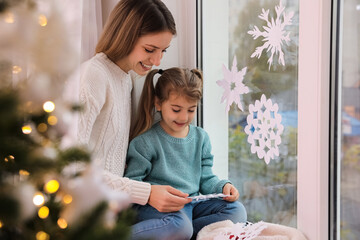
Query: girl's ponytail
[(145, 113)]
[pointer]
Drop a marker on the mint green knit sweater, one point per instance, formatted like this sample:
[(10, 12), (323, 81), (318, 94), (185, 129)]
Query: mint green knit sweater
[(183, 163)]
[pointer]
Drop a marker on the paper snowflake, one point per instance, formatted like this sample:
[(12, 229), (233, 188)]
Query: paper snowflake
[(233, 85), (264, 129), (241, 231), (274, 34)]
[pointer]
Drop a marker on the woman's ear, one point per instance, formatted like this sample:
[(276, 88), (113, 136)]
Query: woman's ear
[(157, 104)]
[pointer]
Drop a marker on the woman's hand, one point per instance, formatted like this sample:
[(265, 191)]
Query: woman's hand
[(167, 198), (229, 189)]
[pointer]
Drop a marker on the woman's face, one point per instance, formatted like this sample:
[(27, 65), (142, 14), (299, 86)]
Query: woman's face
[(147, 52)]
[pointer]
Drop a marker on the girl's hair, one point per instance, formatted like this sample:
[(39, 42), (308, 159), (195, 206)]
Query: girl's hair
[(181, 81), (128, 21)]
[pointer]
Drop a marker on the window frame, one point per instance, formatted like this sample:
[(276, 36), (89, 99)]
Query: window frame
[(313, 110)]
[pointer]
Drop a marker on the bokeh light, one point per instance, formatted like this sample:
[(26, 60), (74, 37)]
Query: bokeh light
[(26, 129), (49, 106), (38, 199), (62, 223), (52, 186), (43, 212), (42, 236)]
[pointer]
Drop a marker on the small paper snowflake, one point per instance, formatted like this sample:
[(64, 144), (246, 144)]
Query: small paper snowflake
[(264, 129), (233, 85), (274, 34)]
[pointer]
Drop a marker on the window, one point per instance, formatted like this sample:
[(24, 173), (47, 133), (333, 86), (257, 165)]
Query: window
[(346, 125), (268, 191)]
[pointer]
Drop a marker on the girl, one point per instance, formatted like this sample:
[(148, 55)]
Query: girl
[(173, 152), (135, 37)]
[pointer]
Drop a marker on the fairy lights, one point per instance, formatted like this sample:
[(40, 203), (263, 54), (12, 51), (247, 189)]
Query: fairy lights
[(52, 120), (38, 199), (23, 172), (9, 18), (26, 129), (42, 20), (62, 223), (52, 186), (42, 236), (16, 69), (43, 212), (49, 106), (67, 199), (42, 127)]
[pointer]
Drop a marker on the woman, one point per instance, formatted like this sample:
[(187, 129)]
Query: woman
[(135, 37)]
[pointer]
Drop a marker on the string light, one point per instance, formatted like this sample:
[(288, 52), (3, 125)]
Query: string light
[(9, 18), (24, 172), (16, 69), (42, 127), (9, 158), (43, 212), (67, 199), (26, 129), (38, 199), (62, 223), (1, 224), (52, 120), (42, 20), (42, 236), (49, 106), (52, 186)]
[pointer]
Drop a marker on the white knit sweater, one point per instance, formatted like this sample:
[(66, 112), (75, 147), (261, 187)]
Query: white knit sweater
[(104, 123)]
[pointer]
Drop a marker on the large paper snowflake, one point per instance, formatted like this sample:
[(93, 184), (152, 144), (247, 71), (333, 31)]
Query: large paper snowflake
[(233, 85), (274, 34), (264, 129)]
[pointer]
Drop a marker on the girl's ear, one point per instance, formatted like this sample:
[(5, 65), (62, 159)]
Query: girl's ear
[(157, 104)]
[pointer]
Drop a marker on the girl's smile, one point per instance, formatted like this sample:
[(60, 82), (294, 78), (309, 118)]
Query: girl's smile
[(177, 113)]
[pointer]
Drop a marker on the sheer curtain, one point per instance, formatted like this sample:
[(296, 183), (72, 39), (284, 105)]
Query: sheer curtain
[(84, 20)]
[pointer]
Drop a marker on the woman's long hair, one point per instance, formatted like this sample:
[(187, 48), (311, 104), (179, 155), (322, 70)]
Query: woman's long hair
[(184, 82), (128, 21)]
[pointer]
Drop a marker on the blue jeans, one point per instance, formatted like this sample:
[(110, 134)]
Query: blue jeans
[(186, 223)]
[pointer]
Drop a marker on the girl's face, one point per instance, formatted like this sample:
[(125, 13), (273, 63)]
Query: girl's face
[(177, 113), (147, 52)]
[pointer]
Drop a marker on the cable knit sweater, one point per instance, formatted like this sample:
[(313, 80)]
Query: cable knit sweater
[(184, 163), (104, 123)]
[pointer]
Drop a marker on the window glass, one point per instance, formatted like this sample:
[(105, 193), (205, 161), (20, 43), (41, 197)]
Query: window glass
[(267, 184), (349, 100)]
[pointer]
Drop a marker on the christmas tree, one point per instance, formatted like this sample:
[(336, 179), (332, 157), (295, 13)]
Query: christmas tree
[(41, 196)]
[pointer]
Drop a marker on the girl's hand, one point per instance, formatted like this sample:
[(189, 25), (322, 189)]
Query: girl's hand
[(167, 198), (229, 189)]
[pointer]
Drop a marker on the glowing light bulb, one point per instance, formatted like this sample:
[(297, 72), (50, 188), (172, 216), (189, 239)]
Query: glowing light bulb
[(9, 158), (26, 129), (62, 223), (38, 199), (1, 224), (42, 127), (9, 18), (16, 69), (67, 199), (52, 186), (43, 212), (49, 106), (42, 236), (52, 120), (24, 172), (42, 20)]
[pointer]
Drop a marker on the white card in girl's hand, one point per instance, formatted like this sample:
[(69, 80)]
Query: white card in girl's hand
[(208, 196)]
